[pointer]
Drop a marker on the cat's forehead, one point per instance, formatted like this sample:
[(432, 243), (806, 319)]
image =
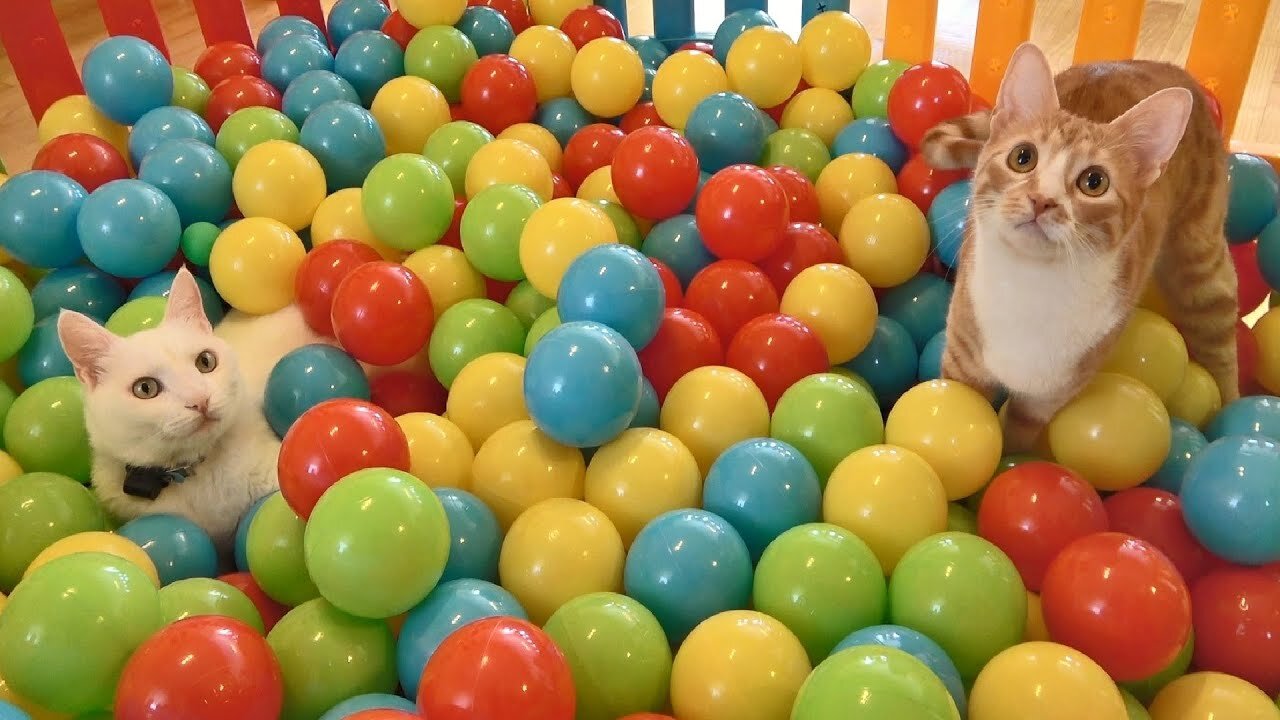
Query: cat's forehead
[(161, 347), (1058, 131)]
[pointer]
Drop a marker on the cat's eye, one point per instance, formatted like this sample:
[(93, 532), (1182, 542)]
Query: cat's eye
[(1022, 158), (206, 361), (146, 388), (1094, 181)]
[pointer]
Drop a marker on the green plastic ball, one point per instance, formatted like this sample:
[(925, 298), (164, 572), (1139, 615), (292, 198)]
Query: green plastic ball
[(7, 396), (491, 228), (144, 313), (17, 314), (192, 597), (871, 93), (796, 148), (1146, 689), (44, 430), (452, 146), (197, 242), (36, 510), (441, 55), (883, 683), (274, 549), (252, 126), (546, 322), (189, 90), (623, 224), (469, 329), (407, 201), (1134, 708), (826, 417), (961, 519), (527, 303)]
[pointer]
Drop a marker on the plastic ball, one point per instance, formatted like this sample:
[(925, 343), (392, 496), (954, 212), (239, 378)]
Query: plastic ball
[(1156, 517), (291, 57), (742, 213), (889, 362), (1268, 253), (1115, 432), (441, 55), (279, 180), (369, 60), (449, 278), (953, 428), (288, 25), (918, 646), (508, 161), (871, 136), (488, 394), (354, 707), (39, 210), (684, 79), (948, 215), (809, 412), (348, 17), (920, 305), (346, 140), (39, 509), (166, 123), (923, 96), (468, 330), (487, 29), (18, 311), (1235, 611), (885, 238), (240, 92), (835, 50), (884, 682), (195, 178), (87, 159), (196, 597), (848, 179), (764, 64), (253, 265), (125, 77), (655, 172), (725, 129), (319, 276), (607, 77), (475, 536), (76, 114), (582, 384), (799, 149), (226, 59), (616, 286), (677, 243), (373, 298), (556, 234), (307, 376), (1228, 504), (1254, 188), (408, 201), (685, 341), (491, 227), (98, 542), (408, 110), (541, 139), (42, 355), (439, 452), (341, 217), (1150, 349), (838, 304), (498, 92), (818, 110), (129, 228), (590, 149), (249, 127), (1185, 443), (1211, 695), (82, 289), (1266, 332), (776, 351), (1254, 415), (640, 475), (178, 548), (519, 466), (1048, 680), (711, 408), (274, 551), (549, 55), (44, 429)]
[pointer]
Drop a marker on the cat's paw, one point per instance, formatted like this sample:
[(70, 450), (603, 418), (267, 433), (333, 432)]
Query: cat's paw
[(955, 144), (1021, 435)]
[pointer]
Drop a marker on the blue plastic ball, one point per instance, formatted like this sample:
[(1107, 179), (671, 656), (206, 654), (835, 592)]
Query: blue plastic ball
[(616, 286), (488, 29), (1255, 193), (947, 218), (449, 606), (242, 534), (128, 228), (348, 17), (371, 701), (9, 711), (703, 177), (871, 136), (650, 75), (286, 26), (179, 548), (918, 645), (42, 356), (1269, 253), (158, 285), (732, 27), (194, 176), (651, 50), (306, 377), (368, 60), (678, 244), (346, 141), (919, 305), (563, 118), (1254, 415), (649, 411), (763, 487), (38, 211), (83, 289), (582, 384), (930, 367), (125, 77), (1231, 499), (725, 129), (477, 537), (889, 362), (687, 565), (1186, 442), (292, 56), (166, 123), (312, 89)]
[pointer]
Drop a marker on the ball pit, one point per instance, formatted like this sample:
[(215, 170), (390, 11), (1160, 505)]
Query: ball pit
[(628, 403)]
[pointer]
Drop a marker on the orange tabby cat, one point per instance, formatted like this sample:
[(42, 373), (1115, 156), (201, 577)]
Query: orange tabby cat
[(1085, 186)]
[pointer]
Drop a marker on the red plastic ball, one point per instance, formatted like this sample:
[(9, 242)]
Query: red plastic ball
[(701, 46), (399, 29), (591, 22), (647, 716), (457, 113), (207, 667), (641, 116), (453, 236), (1248, 354), (560, 188), (382, 313), (1236, 613), (802, 196), (776, 351), (515, 11), (685, 341), (322, 270), (498, 92), (1252, 288), (1215, 107), (227, 59), (269, 610), (1034, 510), (655, 173), (498, 667), (1120, 601), (401, 392), (237, 93), (670, 284), (776, 111), (920, 183), (803, 245), (742, 213), (332, 440), (382, 714), (923, 96), (87, 159), (1156, 516), (728, 293), (590, 149), (498, 290)]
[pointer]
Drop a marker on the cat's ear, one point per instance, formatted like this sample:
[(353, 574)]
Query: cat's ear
[(86, 344), (185, 306), (1153, 128), (1027, 90)]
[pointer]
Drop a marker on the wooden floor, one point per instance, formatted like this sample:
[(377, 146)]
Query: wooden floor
[(1166, 35)]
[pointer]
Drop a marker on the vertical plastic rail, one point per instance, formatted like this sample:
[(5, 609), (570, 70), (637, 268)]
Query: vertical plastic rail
[(133, 17), (1108, 30), (910, 27), (1222, 49), (223, 21), (1003, 25), (673, 21), (809, 9), (39, 54), (619, 10)]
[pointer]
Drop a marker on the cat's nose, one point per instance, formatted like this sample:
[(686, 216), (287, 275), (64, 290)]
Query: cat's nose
[(201, 407), (1041, 204)]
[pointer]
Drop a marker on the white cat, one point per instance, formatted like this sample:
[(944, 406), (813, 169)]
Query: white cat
[(182, 397)]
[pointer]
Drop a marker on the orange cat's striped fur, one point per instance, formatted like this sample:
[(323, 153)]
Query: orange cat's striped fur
[(1085, 186)]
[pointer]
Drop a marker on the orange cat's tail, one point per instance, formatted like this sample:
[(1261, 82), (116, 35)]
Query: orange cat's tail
[(955, 144)]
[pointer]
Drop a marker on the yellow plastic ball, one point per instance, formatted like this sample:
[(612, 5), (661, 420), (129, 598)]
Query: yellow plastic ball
[(598, 186), (1212, 696), (835, 48), (519, 466), (253, 264), (838, 304), (448, 275), (1197, 398), (1115, 433), (556, 234), (75, 114), (540, 139), (1154, 300), (820, 111), (341, 217), (739, 665), (848, 179), (711, 408), (487, 395), (439, 453), (512, 162), (9, 468), (408, 109), (100, 542), (889, 497), (1035, 630), (1152, 350), (547, 53), (953, 428), (607, 77), (1046, 681), (1267, 332), (557, 550), (279, 180), (553, 12), (764, 66), (683, 80), (885, 238), (37, 712), (639, 475), (423, 13)]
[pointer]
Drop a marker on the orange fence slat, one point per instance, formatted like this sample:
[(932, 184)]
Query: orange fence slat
[(910, 26), (1002, 26), (1108, 30), (1222, 49)]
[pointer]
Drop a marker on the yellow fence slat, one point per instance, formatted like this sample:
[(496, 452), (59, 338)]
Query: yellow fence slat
[(1222, 48), (1108, 30), (1003, 25), (910, 27)]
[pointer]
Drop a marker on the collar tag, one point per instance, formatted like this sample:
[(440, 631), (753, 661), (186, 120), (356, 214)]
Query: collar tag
[(148, 482)]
